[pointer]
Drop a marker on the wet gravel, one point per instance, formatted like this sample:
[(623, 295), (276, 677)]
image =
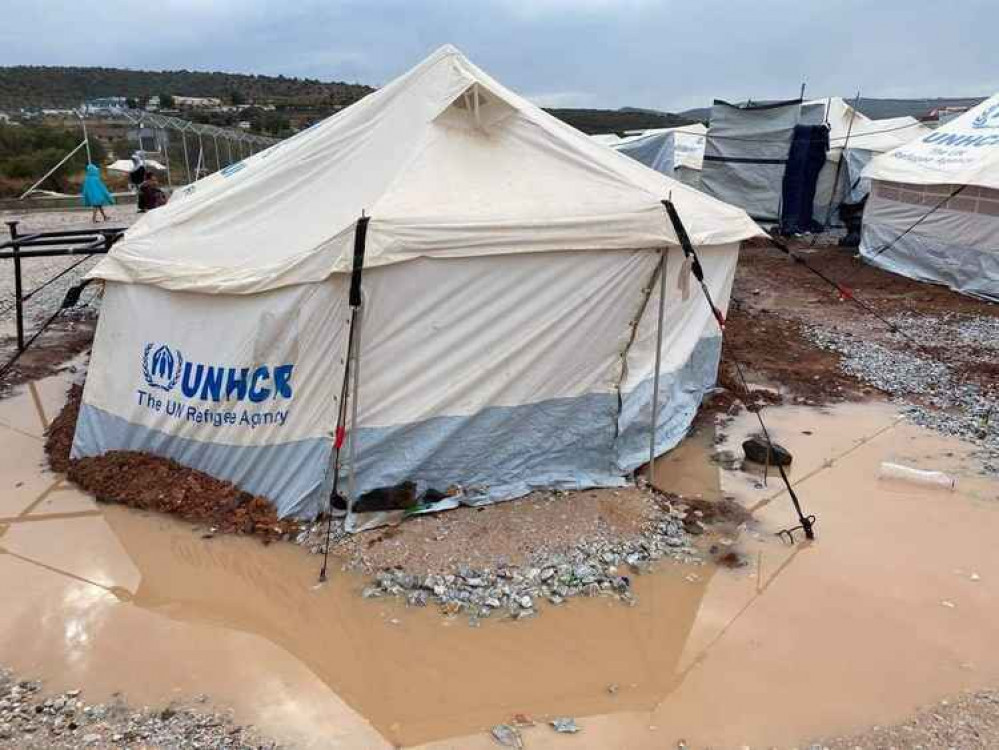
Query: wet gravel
[(30, 718), (940, 395), (969, 722), (590, 567)]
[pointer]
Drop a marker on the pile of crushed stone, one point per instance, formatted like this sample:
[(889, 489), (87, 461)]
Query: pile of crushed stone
[(31, 719), (159, 484), (510, 560)]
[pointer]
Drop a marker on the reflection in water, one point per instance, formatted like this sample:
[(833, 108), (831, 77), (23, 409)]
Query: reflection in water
[(808, 640), (413, 674)]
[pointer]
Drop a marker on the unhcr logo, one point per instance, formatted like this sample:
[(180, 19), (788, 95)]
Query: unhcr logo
[(987, 119), (165, 369), (162, 367)]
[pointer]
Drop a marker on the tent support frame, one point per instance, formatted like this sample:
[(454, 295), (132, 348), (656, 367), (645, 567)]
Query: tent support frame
[(663, 260)]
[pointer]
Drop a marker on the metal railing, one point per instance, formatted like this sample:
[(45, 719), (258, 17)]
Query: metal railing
[(62, 243)]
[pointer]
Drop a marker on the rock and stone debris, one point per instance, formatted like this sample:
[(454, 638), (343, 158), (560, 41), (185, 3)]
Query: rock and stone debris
[(556, 568), (949, 384), (33, 719)]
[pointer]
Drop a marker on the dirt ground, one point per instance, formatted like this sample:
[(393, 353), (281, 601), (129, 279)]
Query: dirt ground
[(505, 532), (774, 297), (71, 334), (159, 484), (968, 722)]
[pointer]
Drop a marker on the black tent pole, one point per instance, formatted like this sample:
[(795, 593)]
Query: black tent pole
[(354, 300)]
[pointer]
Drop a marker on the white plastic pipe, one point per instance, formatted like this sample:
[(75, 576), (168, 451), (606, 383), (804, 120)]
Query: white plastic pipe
[(47, 174), (917, 476)]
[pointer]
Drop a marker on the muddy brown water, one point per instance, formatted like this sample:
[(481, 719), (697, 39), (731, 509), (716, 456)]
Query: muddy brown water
[(892, 607)]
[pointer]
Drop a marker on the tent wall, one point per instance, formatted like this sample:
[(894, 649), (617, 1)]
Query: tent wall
[(745, 155), (674, 152), (498, 374), (656, 151), (688, 176), (268, 439), (857, 186), (831, 187), (689, 146), (690, 355), (957, 245)]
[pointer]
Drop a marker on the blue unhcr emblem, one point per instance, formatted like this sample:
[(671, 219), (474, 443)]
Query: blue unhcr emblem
[(987, 119), (162, 367), (233, 168)]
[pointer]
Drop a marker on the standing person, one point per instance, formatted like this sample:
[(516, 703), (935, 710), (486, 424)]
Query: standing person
[(138, 173), (150, 194), (95, 194)]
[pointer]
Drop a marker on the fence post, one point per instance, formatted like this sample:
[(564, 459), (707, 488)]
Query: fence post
[(18, 302)]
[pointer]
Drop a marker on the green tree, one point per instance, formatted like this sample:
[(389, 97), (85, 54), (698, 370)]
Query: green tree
[(167, 101)]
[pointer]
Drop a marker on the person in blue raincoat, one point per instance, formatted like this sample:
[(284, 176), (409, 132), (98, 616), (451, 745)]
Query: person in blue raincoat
[(95, 194)]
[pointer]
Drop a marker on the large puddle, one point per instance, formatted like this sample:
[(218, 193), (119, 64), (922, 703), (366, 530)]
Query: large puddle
[(893, 606)]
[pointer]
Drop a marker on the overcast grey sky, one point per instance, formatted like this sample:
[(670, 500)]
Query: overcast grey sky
[(589, 53)]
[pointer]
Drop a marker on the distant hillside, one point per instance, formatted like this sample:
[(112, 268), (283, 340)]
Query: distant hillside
[(43, 86), (876, 109), (617, 120)]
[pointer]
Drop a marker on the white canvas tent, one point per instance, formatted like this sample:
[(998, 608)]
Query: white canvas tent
[(933, 212), (832, 184), (126, 165), (749, 149), (676, 152), (867, 140), (854, 139), (508, 332), (608, 139)]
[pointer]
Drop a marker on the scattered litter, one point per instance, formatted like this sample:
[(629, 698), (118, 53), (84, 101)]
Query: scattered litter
[(612, 689), (947, 603), (729, 558), (507, 736), (890, 470), (975, 577), (565, 725)]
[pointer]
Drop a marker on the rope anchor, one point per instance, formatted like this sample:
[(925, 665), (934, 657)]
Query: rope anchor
[(787, 535), (805, 523)]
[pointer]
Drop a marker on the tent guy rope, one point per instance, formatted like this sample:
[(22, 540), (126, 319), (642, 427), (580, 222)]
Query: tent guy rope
[(805, 522)]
